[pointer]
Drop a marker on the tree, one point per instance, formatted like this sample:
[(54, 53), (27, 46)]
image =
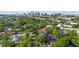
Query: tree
[(24, 40), (1, 27), (11, 44), (40, 38), (4, 40), (60, 43), (22, 43), (25, 36), (30, 44), (76, 41)]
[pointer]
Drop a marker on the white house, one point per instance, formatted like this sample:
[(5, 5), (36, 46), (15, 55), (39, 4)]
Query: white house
[(67, 19), (63, 26), (60, 25), (74, 23), (49, 25), (67, 26), (77, 32), (58, 20), (15, 39)]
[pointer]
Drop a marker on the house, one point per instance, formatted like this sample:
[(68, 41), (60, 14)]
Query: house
[(7, 30), (60, 25), (49, 26), (67, 26), (74, 23), (43, 30), (67, 19), (77, 32), (64, 26), (2, 33), (58, 20), (15, 38)]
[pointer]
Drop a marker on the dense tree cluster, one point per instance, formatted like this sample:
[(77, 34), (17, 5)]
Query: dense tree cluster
[(29, 26)]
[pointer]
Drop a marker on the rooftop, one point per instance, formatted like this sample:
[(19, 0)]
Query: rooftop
[(43, 30)]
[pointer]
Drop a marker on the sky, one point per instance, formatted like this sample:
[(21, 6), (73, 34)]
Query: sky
[(39, 5)]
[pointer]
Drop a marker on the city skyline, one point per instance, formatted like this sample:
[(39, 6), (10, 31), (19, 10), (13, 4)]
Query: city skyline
[(48, 12)]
